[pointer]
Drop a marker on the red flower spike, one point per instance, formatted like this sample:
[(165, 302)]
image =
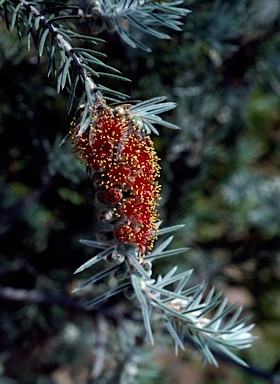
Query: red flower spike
[(124, 168)]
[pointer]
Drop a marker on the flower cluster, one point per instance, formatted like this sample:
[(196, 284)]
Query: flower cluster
[(124, 167)]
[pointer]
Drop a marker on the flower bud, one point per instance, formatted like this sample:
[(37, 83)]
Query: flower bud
[(122, 272), (109, 216), (100, 197), (129, 292)]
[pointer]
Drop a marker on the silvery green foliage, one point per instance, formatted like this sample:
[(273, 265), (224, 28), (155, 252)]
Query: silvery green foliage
[(147, 113), (52, 27), (186, 310), (126, 17), (47, 26)]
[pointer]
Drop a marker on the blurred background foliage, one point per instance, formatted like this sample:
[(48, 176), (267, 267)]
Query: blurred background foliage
[(220, 176)]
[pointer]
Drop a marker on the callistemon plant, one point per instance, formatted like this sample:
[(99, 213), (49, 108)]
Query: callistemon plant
[(114, 143), (119, 154), (124, 168)]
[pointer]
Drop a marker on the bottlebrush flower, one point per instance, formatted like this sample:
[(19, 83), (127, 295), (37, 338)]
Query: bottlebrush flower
[(124, 168)]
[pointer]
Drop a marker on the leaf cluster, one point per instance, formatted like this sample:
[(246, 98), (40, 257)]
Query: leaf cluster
[(140, 15), (53, 27), (184, 310)]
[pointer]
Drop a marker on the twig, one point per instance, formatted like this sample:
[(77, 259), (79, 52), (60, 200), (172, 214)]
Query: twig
[(61, 40)]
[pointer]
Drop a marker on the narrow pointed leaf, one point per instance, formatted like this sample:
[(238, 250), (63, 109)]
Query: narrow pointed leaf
[(65, 71), (94, 243), (42, 42), (168, 253), (144, 307), (184, 281), (231, 355), (135, 262), (72, 93), (173, 332), (162, 246), (94, 259), (173, 228), (108, 294), (95, 278), (15, 16)]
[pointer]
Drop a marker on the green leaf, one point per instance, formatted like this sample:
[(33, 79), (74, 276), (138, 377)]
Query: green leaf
[(89, 69), (86, 57), (221, 313), (167, 293), (168, 279), (94, 243), (29, 31), (145, 28), (162, 246), (121, 95), (168, 253), (85, 121), (133, 261), (65, 71), (231, 355), (42, 42), (173, 332), (51, 59), (88, 93), (72, 93), (15, 16), (183, 281), (113, 76), (136, 283), (108, 294), (172, 228), (95, 278), (37, 22), (90, 51), (131, 41), (95, 259)]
